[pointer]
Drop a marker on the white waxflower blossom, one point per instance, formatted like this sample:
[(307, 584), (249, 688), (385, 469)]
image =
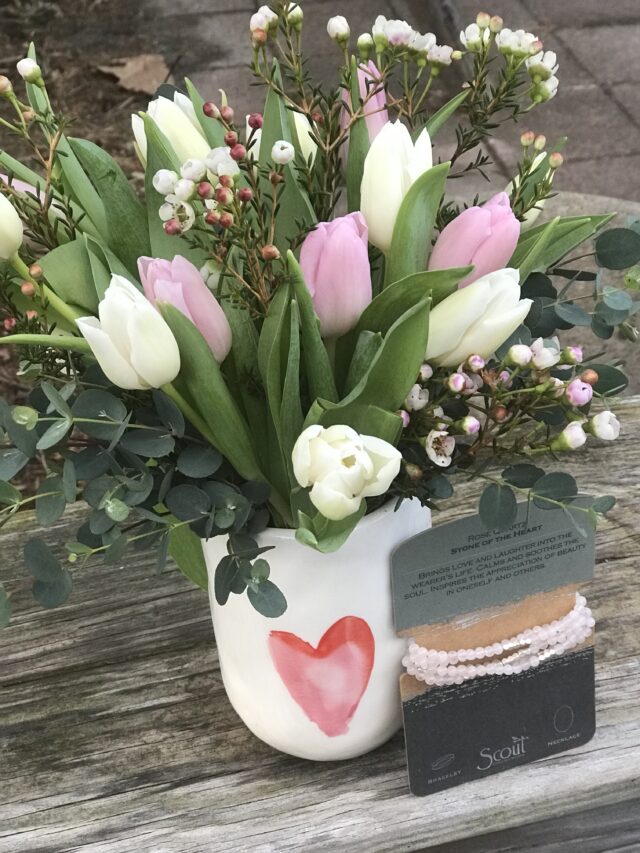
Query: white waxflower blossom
[(473, 37), (164, 181), (542, 66), (294, 14), (338, 29), (184, 190), (545, 90), (546, 352), (258, 21), (519, 355), (379, 32), (219, 162), (572, 437), (131, 341), (210, 273), (440, 54), (282, 152), (605, 425), (181, 211), (416, 399), (193, 170), (517, 43), (422, 42), (440, 446), (342, 468), (269, 16)]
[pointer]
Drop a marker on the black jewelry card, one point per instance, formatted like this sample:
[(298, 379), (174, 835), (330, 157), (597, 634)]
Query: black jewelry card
[(464, 732)]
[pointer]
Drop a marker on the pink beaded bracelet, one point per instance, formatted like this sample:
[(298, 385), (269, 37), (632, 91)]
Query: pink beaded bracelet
[(527, 649)]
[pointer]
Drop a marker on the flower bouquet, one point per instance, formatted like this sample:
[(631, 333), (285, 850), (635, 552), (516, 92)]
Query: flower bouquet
[(295, 341)]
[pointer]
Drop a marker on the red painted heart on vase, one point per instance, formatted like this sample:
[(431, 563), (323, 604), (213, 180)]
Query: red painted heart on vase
[(327, 682)]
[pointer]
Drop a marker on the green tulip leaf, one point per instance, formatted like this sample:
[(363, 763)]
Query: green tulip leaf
[(568, 233), (212, 129), (358, 143), (442, 116), (412, 233)]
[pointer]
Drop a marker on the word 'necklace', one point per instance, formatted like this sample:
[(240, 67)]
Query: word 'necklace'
[(528, 650)]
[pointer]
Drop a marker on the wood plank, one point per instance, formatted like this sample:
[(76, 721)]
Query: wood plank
[(115, 733)]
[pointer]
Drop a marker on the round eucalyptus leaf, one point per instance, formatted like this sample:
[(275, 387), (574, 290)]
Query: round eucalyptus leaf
[(5, 607), (604, 503), (40, 561), (148, 443), (198, 462), (572, 313), (50, 501), (612, 316), (618, 248), (611, 380), (619, 300), (54, 434), (96, 405), (224, 518), (99, 522), (9, 494), (12, 461), (55, 592), (558, 486), (92, 462), (439, 487), (267, 599), (227, 578), (601, 328), (498, 507), (260, 570), (188, 502), (538, 284), (169, 413), (523, 475)]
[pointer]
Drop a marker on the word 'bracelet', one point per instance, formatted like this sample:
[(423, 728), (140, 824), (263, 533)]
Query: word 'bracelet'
[(524, 651)]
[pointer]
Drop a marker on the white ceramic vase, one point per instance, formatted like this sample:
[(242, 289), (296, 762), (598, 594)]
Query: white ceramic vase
[(320, 681)]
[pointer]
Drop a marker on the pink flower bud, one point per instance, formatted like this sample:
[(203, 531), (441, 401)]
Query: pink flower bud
[(9, 323), (406, 418), (230, 138), (484, 237), (238, 152), (223, 195), (505, 377), (426, 372), (205, 190), (245, 194), (527, 138), (335, 263), (571, 355), (255, 121), (180, 283), (469, 425), (172, 227), (456, 383), (476, 363), (578, 393), (519, 355), (226, 113), (555, 160), (210, 110)]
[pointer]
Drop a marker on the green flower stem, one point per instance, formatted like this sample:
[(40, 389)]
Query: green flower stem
[(277, 501), (67, 342), (52, 298)]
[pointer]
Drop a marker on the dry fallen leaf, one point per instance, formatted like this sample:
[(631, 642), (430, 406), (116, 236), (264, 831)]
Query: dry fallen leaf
[(143, 73)]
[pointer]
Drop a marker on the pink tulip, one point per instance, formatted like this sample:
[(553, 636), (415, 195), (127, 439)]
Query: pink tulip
[(485, 237), (335, 263), (376, 114), (180, 283)]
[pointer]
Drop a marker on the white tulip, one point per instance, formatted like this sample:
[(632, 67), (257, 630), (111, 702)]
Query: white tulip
[(605, 425), (391, 166), (131, 341), (11, 231), (342, 468), (476, 319), (175, 119)]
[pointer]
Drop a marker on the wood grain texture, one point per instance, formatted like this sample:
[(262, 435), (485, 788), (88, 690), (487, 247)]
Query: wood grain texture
[(115, 733)]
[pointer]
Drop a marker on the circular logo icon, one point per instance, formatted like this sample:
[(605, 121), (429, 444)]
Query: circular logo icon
[(563, 719)]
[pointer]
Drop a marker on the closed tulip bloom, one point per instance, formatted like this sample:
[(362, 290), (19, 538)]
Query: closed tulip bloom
[(132, 343), (392, 165), (180, 283), (342, 468), (477, 319), (376, 115), (335, 264), (484, 237), (11, 231), (177, 121)]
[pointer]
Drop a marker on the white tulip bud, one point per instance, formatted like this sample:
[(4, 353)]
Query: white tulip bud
[(476, 319), (164, 181), (193, 170), (11, 232), (282, 152), (338, 29), (131, 341), (30, 71)]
